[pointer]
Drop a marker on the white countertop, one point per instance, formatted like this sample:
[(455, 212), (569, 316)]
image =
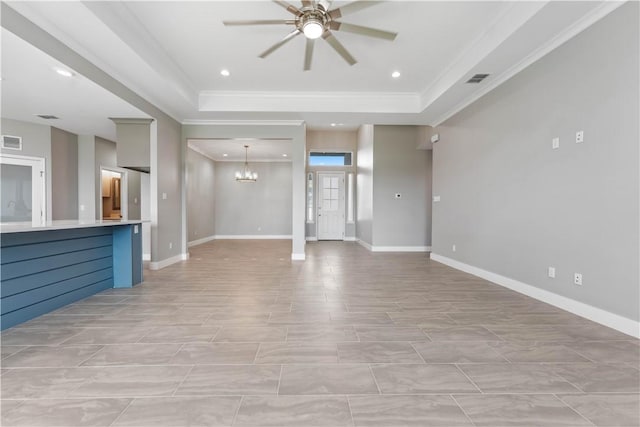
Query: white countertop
[(23, 227)]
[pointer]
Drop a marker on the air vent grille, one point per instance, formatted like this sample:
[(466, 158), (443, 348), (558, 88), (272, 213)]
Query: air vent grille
[(477, 78), (11, 142), (47, 116)]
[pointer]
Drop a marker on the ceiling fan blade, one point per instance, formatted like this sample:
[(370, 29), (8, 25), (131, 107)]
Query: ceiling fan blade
[(365, 31), (288, 37), (261, 22), (337, 46), (291, 8), (308, 3), (351, 8), (308, 54), (325, 4)]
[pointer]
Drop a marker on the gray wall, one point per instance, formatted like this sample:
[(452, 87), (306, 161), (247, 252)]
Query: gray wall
[(364, 185), (260, 208), (200, 196), (514, 206), (36, 142), (64, 174), (86, 177), (333, 140), (399, 167)]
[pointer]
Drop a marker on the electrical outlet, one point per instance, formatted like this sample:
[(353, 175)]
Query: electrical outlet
[(551, 272), (164, 196), (453, 248), (555, 143), (577, 279), (436, 198), (170, 245), (579, 137), (81, 208)]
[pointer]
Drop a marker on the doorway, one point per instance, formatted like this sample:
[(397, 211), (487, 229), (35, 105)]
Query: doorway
[(23, 191), (113, 194), (331, 220)]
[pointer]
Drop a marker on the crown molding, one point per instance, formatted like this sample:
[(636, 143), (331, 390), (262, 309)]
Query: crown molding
[(338, 102), (582, 24), (244, 123)]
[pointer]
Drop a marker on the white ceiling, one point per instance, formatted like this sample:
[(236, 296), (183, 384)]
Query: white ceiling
[(232, 150), (171, 54)]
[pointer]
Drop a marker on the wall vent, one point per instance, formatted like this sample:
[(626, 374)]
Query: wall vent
[(47, 116), (11, 142), (477, 78)]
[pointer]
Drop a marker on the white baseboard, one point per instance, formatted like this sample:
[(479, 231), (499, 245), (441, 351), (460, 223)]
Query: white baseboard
[(253, 237), (598, 315), (350, 239), (392, 248), (201, 241), (298, 257), (400, 249), (364, 244), (146, 257), (311, 239), (157, 265)]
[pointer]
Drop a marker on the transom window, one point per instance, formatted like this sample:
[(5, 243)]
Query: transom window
[(330, 158)]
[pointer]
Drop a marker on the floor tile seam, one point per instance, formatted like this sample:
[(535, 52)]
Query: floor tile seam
[(115, 420), (574, 409), (186, 375), (462, 409), (279, 380), (375, 380), (235, 415), (558, 375), (469, 378)]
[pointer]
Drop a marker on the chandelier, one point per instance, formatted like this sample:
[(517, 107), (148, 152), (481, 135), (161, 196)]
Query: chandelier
[(246, 175)]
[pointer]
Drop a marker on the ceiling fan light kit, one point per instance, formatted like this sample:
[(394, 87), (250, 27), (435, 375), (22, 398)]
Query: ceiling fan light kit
[(316, 19)]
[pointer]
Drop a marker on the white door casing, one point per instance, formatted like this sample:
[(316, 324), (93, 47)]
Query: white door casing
[(34, 168), (330, 211)]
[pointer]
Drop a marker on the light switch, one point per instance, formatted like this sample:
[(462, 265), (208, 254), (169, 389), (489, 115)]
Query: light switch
[(164, 196), (555, 143), (436, 198), (135, 229), (135, 200)]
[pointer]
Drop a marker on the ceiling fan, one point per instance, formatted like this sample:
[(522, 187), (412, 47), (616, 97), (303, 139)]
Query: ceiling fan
[(316, 19)]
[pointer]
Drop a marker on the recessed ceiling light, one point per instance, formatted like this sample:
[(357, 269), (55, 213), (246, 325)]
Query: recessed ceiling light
[(395, 74), (225, 155), (333, 125), (225, 73), (63, 72), (284, 155)]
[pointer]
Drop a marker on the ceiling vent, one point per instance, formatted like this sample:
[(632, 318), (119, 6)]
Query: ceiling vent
[(47, 116), (11, 142), (477, 78)]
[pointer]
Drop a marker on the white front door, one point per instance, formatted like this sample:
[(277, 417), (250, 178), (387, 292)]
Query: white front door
[(22, 193), (330, 206)]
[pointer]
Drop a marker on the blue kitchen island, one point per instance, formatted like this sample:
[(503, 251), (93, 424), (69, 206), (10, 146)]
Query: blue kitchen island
[(46, 267)]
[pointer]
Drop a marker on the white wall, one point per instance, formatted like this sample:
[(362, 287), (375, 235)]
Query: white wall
[(261, 208), (200, 196), (514, 206)]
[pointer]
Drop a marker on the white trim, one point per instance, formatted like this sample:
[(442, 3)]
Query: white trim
[(585, 22), (158, 265), (363, 244), (612, 320), (253, 237), (146, 257), (244, 122), (201, 241), (311, 239), (350, 239), (298, 257), (400, 249)]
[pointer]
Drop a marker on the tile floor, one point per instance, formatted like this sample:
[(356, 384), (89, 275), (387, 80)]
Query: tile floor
[(241, 336)]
